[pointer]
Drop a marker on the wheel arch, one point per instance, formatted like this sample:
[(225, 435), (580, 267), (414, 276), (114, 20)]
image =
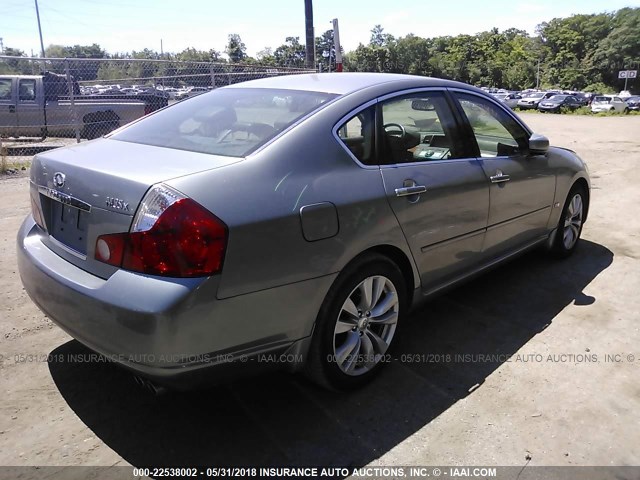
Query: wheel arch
[(582, 182), (400, 259)]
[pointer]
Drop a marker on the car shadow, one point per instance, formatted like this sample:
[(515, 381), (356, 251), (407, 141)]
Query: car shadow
[(281, 419)]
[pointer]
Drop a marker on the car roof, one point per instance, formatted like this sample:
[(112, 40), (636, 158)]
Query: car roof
[(347, 82)]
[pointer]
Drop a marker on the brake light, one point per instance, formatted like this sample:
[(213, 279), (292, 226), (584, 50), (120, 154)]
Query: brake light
[(171, 235)]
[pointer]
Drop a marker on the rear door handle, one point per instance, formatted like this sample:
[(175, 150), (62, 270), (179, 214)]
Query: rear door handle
[(500, 177), (12, 109), (414, 190)]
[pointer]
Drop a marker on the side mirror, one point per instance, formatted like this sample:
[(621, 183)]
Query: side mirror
[(538, 144)]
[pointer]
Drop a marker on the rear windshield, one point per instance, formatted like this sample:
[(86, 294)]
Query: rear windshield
[(228, 121)]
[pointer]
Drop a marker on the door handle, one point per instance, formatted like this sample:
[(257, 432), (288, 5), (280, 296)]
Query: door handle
[(12, 109), (414, 190), (499, 177)]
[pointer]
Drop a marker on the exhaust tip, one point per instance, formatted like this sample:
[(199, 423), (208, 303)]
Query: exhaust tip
[(149, 386)]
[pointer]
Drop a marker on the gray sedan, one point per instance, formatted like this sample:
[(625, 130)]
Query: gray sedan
[(288, 222)]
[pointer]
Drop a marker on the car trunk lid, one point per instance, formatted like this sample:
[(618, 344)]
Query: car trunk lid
[(91, 189)]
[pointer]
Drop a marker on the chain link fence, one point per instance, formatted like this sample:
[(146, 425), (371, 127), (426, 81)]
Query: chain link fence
[(77, 99)]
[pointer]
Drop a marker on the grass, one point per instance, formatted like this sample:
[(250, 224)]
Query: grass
[(6, 165), (3, 159)]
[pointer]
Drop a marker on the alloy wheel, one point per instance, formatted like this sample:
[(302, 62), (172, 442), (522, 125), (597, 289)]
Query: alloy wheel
[(573, 221), (365, 325)]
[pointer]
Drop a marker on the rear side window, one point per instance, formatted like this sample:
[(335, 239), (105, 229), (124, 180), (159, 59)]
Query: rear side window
[(230, 121), (418, 127), (27, 90), (357, 134)]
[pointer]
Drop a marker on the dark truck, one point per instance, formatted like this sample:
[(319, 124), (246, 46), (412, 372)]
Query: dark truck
[(42, 105)]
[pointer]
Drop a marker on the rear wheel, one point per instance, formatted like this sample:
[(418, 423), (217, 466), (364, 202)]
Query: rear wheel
[(571, 222), (357, 324)]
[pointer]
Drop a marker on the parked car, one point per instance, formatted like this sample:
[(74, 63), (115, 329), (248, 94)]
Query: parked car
[(40, 105), (191, 92), (509, 99), (608, 103), (231, 228), (633, 103), (532, 100), (556, 103)]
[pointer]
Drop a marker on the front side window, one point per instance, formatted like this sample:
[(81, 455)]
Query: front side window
[(418, 127), (27, 89), (5, 89), (496, 132), (229, 121)]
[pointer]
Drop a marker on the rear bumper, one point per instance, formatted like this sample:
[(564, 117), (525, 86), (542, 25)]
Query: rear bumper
[(174, 331)]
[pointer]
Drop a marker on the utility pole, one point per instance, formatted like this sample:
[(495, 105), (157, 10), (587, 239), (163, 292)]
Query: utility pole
[(40, 30), (336, 45), (538, 76), (310, 57)]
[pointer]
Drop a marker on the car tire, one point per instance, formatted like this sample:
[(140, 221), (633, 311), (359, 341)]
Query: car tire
[(567, 236), (352, 335)]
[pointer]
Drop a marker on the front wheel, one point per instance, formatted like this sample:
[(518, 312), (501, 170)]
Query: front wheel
[(357, 324), (571, 222)]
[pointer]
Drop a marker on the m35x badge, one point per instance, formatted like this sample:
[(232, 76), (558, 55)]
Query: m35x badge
[(117, 204)]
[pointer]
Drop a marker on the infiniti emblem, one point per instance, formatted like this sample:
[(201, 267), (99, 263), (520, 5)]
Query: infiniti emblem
[(58, 180)]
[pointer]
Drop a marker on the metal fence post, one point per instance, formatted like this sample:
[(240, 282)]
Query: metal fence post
[(213, 75), (74, 112)]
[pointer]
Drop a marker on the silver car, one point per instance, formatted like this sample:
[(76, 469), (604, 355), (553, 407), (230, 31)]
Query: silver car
[(288, 222)]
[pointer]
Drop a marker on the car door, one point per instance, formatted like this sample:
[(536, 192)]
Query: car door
[(8, 116), (573, 102), (434, 184), (619, 105), (29, 109), (522, 186)]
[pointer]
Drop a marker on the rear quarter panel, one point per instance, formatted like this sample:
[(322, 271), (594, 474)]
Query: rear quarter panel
[(260, 199)]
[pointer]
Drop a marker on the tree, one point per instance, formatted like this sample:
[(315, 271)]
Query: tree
[(291, 53), (325, 51), (17, 66), (379, 38), (620, 50), (236, 49), (265, 56)]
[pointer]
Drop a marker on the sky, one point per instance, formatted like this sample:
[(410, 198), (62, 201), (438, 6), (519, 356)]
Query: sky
[(125, 25)]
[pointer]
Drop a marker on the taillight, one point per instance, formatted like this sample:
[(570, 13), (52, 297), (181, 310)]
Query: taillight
[(171, 236), (37, 214)]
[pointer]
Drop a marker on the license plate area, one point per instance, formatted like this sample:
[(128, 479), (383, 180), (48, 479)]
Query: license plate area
[(69, 226)]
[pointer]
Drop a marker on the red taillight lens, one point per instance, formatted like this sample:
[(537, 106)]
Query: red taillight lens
[(186, 240)]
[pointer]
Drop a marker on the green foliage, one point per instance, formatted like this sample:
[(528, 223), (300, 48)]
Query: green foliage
[(236, 49), (290, 54), (325, 51), (597, 87), (580, 52)]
